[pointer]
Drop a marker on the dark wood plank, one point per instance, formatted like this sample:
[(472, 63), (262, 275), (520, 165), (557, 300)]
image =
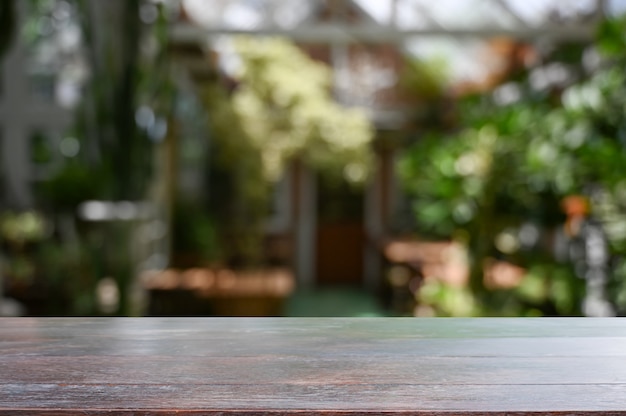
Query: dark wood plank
[(312, 366)]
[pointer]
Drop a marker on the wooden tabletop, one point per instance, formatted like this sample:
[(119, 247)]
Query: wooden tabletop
[(311, 366)]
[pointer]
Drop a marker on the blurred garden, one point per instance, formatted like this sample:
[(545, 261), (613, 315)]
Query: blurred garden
[(503, 179), (159, 160)]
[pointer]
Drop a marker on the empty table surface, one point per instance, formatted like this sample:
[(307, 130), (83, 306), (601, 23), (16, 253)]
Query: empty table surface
[(312, 366)]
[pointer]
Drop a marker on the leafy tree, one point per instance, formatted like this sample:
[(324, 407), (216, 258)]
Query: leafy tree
[(116, 150), (555, 129), (280, 109)]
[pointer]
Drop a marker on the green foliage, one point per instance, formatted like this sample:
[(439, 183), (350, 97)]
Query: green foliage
[(611, 38), (115, 157), (494, 164), (69, 277), (547, 289), (39, 263), (74, 183), (281, 109), (20, 228), (194, 232), (284, 108), (426, 80), (550, 289), (448, 301), (510, 163)]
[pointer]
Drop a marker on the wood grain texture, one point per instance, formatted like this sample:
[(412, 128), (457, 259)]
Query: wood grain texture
[(311, 366)]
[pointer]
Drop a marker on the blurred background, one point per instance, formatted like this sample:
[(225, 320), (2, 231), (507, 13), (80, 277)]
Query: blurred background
[(312, 158)]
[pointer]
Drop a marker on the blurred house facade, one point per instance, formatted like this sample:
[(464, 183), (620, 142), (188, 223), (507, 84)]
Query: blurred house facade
[(327, 234), (338, 236)]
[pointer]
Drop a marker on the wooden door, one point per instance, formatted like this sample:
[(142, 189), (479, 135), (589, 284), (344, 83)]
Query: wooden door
[(340, 234)]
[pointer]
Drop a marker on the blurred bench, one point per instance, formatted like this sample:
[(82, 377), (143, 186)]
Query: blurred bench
[(221, 292), (312, 366)]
